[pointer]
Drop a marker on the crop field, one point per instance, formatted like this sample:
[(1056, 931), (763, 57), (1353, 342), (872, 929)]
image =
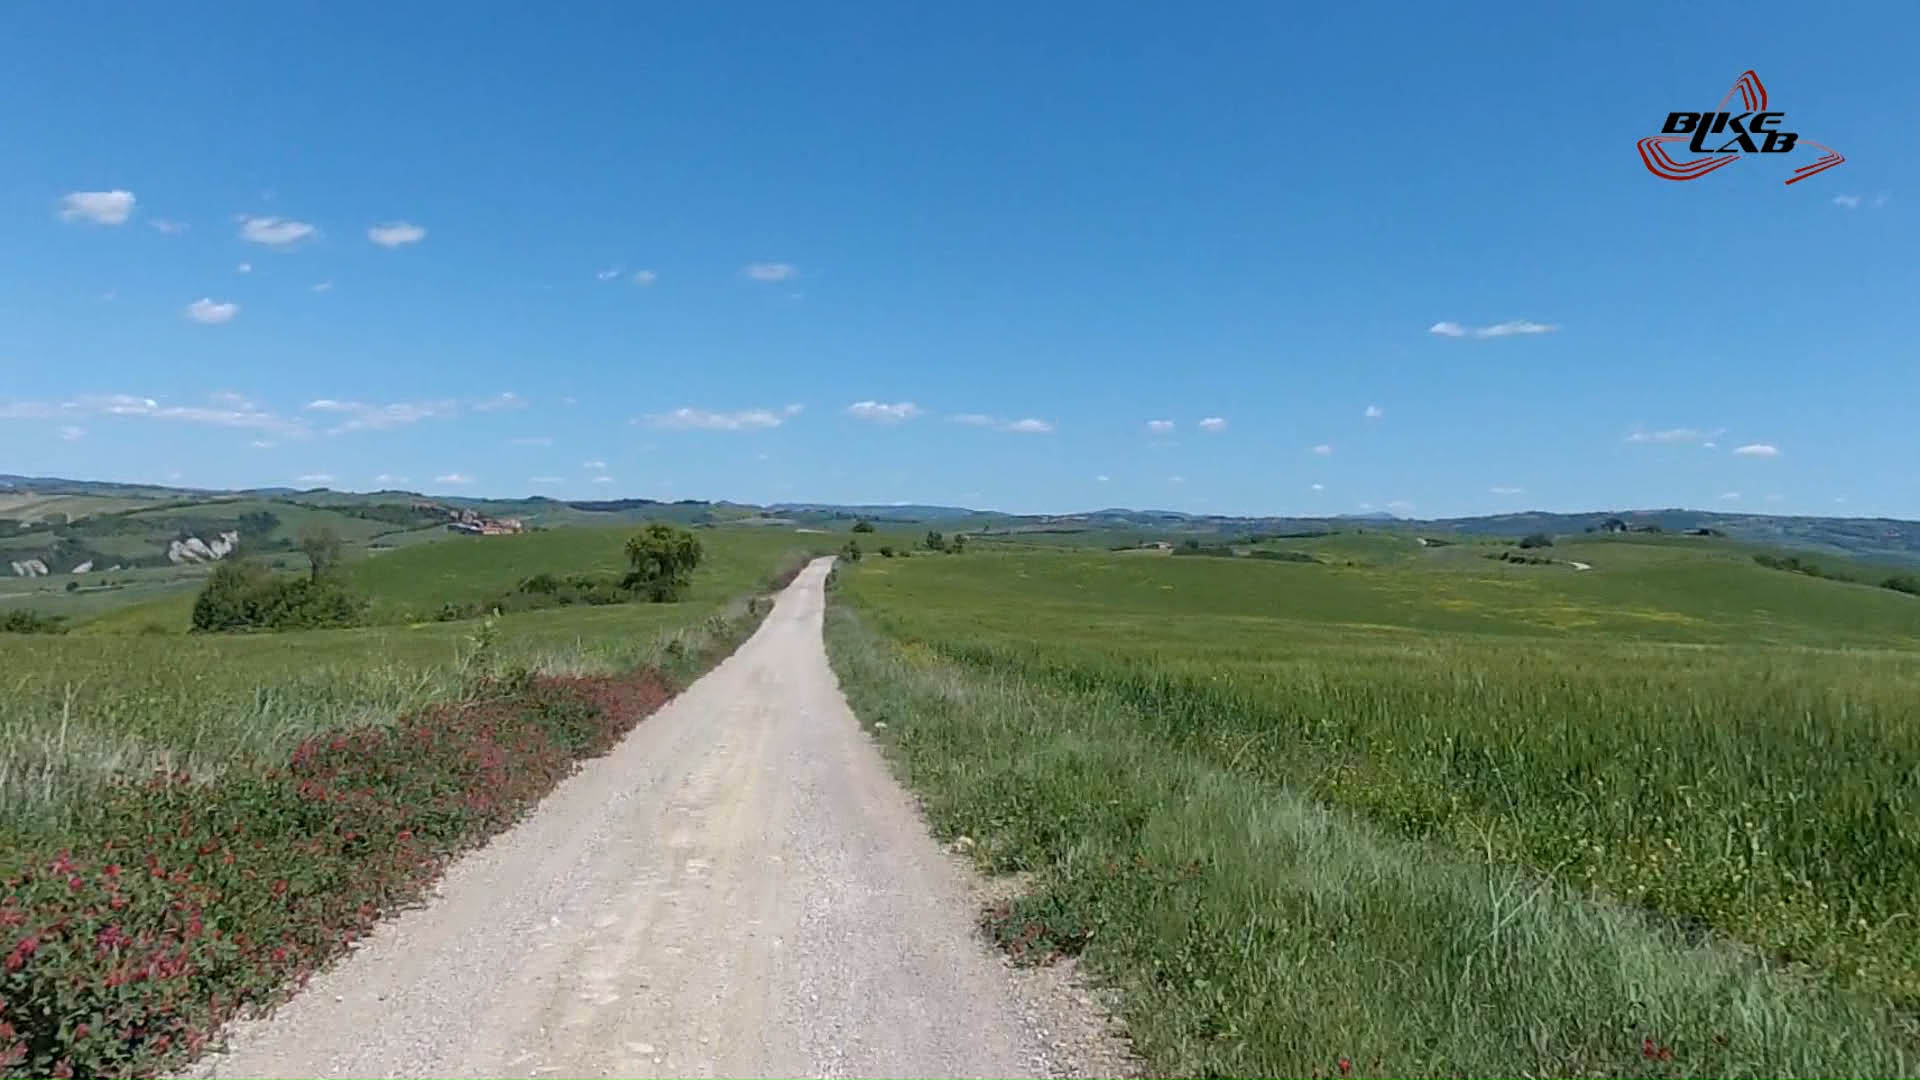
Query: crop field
[(78, 708), (1427, 812)]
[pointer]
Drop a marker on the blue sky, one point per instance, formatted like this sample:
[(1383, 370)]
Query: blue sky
[(1030, 257)]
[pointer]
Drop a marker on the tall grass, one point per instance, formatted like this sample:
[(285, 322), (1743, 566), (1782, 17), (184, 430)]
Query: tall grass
[(1254, 932), (76, 711)]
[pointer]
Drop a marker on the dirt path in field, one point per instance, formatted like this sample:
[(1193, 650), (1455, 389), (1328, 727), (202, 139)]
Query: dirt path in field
[(739, 889)]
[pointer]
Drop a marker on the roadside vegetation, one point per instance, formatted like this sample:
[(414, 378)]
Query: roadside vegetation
[(1442, 816), (191, 824)]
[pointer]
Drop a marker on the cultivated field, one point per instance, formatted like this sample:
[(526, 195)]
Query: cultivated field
[(1653, 818), (132, 691)]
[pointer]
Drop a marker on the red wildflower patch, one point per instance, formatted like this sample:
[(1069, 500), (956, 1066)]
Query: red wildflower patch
[(254, 881)]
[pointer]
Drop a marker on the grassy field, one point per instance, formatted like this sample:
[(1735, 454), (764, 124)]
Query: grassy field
[(1429, 812), (77, 708)]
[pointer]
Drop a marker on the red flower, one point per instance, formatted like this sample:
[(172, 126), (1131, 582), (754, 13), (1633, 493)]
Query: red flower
[(1345, 1066)]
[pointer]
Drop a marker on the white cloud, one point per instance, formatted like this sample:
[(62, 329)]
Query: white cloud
[(244, 268), (363, 416), (395, 234), (1160, 427), (211, 312), (531, 440), (793, 409), (1757, 450), (1847, 202), (686, 419), (1374, 412), (322, 286), (1709, 445), (261, 444), (454, 479), (1213, 423), (770, 271), (603, 479), (1318, 487), (315, 479), (504, 400), (1497, 330), (73, 434), (1030, 426), (171, 228), (222, 410), (1176, 479), (1507, 490), (1672, 435), (1730, 495), (275, 232), (1324, 449), (644, 278), (1102, 478), (546, 480), (881, 412), (386, 479), (608, 274), (99, 207), (594, 466), (1026, 426)]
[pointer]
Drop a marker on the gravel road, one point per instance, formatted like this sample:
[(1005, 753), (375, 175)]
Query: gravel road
[(739, 889)]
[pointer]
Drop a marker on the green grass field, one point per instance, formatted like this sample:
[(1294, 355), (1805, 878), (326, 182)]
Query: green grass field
[(78, 708), (1672, 798)]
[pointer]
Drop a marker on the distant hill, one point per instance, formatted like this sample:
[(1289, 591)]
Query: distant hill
[(32, 503)]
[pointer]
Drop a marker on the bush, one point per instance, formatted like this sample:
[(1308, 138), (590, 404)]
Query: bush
[(886, 551), (243, 595), (863, 526), (851, 552), (1905, 583), (1536, 540), (663, 559), (29, 621), (936, 542)]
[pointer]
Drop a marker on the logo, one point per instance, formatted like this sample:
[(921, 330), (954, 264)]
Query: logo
[(1726, 137)]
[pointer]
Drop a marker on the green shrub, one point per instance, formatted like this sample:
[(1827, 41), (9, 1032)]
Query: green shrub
[(243, 595), (863, 526), (851, 552), (29, 621), (663, 559), (1536, 540)]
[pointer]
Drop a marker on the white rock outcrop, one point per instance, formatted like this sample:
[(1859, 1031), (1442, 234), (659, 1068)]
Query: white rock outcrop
[(29, 568), (83, 568), (193, 549)]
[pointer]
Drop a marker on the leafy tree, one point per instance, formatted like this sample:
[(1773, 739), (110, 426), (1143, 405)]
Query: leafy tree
[(1536, 540), (886, 551), (230, 598), (851, 552), (662, 560), (258, 523), (956, 545), (936, 542), (863, 525), (322, 548)]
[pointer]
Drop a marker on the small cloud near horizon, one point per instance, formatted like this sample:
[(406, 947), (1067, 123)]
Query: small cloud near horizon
[(1324, 449), (771, 271), (1516, 327), (1214, 424), (1374, 412), (395, 234), (1757, 450), (209, 312), (881, 412)]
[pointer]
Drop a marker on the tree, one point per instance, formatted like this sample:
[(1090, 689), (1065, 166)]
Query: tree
[(886, 551), (936, 542), (230, 600), (322, 548), (956, 545), (258, 523), (662, 559), (851, 552), (863, 525), (1536, 540)]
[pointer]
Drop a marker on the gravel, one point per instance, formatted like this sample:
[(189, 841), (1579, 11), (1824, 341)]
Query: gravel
[(739, 889)]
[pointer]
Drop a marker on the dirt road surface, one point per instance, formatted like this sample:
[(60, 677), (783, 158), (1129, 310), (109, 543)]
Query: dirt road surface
[(739, 889)]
